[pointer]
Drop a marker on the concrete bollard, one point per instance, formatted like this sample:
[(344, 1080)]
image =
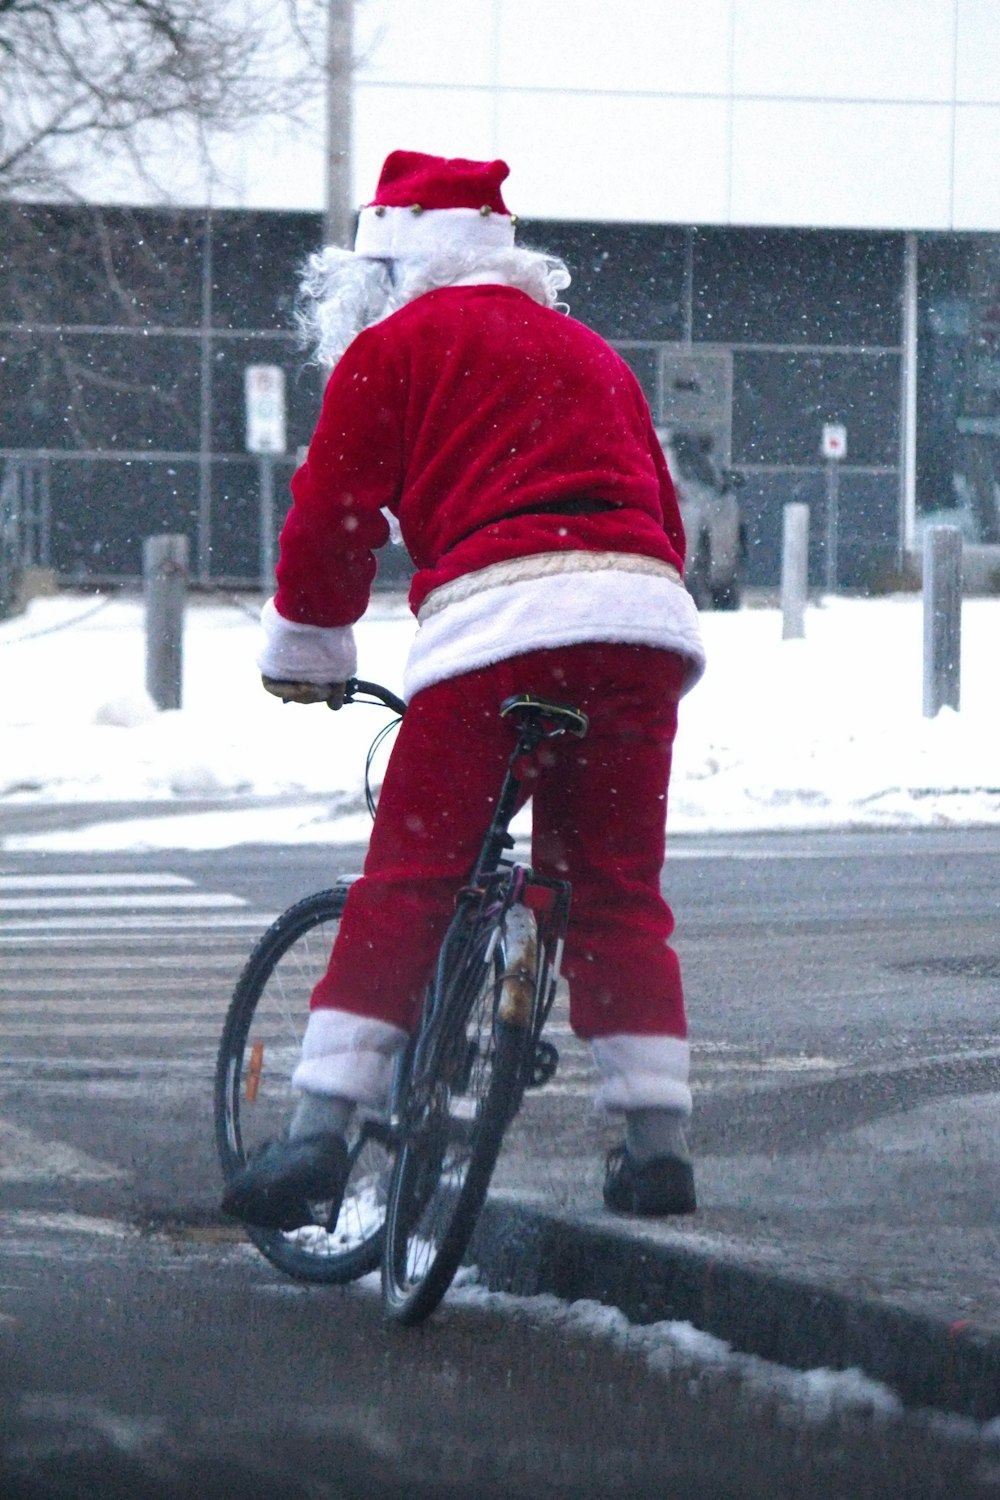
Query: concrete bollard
[(794, 571), (942, 618), (165, 576)]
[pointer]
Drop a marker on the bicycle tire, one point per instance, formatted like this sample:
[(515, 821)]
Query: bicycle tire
[(450, 1143), (262, 1036)]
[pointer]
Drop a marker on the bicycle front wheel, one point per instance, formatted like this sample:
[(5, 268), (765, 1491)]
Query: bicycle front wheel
[(464, 1086), (261, 1044)]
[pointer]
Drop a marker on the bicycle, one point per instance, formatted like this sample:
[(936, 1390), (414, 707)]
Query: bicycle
[(418, 1178)]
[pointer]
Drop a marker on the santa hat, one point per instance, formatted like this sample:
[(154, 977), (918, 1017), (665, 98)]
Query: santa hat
[(428, 204)]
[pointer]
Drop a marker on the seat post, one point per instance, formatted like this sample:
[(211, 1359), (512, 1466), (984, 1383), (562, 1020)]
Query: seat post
[(497, 838)]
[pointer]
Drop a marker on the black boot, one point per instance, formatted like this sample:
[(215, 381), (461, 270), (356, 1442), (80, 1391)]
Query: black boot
[(662, 1185), (276, 1187)]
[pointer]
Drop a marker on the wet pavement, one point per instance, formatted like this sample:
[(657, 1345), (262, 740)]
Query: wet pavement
[(844, 993)]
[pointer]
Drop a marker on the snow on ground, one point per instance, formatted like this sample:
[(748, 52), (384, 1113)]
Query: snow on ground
[(823, 732)]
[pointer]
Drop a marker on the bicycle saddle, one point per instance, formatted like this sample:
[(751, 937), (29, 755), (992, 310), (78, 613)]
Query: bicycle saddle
[(555, 718)]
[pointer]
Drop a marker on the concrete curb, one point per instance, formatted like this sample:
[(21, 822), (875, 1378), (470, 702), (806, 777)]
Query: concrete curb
[(928, 1363)]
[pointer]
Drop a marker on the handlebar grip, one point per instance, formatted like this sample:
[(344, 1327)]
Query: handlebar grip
[(375, 690)]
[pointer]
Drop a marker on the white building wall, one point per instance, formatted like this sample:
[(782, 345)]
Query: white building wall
[(855, 114), (863, 114)]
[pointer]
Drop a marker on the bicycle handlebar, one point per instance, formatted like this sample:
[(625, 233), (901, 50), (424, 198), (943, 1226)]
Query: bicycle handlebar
[(385, 696)]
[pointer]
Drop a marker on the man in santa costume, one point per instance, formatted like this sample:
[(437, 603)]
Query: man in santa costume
[(516, 451)]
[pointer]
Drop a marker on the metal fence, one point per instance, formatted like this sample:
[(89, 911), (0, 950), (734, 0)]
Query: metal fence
[(25, 525)]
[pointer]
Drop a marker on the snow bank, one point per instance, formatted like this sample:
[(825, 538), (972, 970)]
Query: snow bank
[(823, 732)]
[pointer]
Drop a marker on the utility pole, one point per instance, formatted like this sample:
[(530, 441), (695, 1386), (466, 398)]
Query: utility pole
[(338, 228)]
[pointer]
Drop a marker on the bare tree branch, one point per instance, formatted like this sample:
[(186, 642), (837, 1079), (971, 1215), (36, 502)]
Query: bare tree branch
[(96, 72)]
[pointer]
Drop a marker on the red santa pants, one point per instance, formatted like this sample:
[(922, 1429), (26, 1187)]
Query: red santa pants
[(598, 814)]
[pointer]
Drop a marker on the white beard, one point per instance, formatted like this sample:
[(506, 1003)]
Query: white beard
[(341, 293)]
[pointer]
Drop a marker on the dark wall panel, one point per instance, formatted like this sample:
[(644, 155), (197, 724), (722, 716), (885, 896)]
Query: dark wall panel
[(84, 264), (772, 286), (235, 529), (868, 510), (256, 260), (628, 279), (644, 364), (781, 402), (76, 390), (102, 511)]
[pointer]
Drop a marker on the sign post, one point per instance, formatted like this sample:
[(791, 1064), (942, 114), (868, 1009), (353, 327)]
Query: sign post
[(264, 389), (834, 450)]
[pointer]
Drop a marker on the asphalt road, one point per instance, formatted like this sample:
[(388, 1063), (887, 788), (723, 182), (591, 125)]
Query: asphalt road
[(147, 1352)]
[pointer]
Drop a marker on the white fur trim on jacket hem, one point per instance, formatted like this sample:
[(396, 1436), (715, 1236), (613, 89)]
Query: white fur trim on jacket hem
[(529, 613), (352, 1056), (305, 653), (642, 1072)]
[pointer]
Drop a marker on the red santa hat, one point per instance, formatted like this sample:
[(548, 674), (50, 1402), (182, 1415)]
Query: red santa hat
[(428, 204)]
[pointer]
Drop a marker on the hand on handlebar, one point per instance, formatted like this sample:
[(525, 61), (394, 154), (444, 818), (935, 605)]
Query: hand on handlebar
[(330, 693)]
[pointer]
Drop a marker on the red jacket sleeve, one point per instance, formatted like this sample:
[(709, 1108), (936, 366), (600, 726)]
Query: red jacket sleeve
[(353, 469)]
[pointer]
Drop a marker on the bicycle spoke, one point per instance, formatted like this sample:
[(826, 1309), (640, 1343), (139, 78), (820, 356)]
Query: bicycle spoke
[(469, 1067)]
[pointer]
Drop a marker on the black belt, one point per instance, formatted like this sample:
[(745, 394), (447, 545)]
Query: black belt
[(578, 506)]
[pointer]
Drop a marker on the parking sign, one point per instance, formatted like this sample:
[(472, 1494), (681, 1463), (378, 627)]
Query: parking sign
[(264, 387)]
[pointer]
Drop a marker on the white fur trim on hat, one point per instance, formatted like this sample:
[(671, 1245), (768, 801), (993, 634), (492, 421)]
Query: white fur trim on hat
[(348, 1055), (409, 233), (642, 1072), (293, 652)]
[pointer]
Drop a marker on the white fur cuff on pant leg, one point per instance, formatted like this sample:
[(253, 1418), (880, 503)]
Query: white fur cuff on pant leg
[(352, 1056), (642, 1072)]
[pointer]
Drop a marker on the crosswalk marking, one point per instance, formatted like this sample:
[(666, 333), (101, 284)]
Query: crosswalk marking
[(97, 881), (118, 984), (161, 902), (110, 985), (175, 1027), (139, 927), (107, 906), (113, 962)]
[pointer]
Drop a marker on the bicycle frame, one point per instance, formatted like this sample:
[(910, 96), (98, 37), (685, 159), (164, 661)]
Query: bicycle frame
[(497, 886)]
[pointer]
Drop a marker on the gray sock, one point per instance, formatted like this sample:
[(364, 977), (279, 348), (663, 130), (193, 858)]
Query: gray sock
[(321, 1114), (656, 1132)]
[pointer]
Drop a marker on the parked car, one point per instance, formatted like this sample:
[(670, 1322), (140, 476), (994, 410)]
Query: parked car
[(716, 538)]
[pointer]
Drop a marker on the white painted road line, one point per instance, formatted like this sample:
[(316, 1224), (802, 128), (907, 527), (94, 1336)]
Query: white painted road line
[(176, 1028), (152, 925), (114, 963), (119, 903), (91, 882)]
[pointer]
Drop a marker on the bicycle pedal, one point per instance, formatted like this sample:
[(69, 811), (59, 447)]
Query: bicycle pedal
[(543, 1064)]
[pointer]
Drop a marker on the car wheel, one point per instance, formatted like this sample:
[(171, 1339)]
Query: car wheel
[(727, 595)]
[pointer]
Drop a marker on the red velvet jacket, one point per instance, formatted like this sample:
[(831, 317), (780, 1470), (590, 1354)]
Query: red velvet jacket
[(459, 413)]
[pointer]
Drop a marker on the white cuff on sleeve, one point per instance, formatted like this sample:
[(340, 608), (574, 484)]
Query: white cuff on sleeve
[(305, 653)]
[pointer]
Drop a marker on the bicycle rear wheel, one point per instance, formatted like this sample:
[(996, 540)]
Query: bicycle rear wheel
[(464, 1086), (260, 1046)]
